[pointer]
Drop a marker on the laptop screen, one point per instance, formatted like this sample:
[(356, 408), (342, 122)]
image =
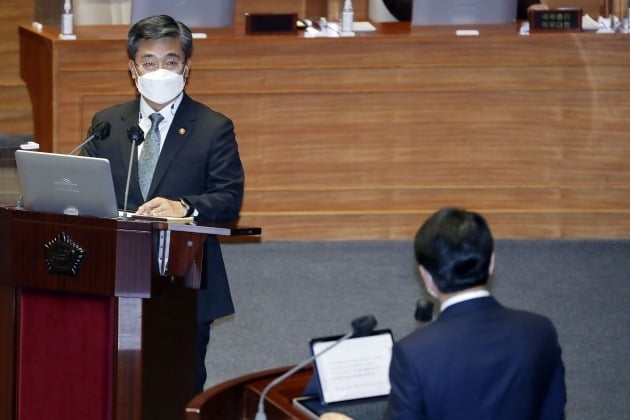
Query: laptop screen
[(193, 13), (66, 184), (463, 12), (355, 369)]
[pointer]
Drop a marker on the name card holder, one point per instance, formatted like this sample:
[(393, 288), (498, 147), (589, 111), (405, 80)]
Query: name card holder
[(565, 19), (270, 23)]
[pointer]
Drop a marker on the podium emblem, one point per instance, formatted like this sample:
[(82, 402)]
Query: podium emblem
[(63, 256)]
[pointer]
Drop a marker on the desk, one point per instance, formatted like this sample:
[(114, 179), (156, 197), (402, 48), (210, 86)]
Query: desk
[(237, 399), (362, 138)]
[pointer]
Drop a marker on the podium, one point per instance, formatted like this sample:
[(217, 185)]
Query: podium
[(97, 316)]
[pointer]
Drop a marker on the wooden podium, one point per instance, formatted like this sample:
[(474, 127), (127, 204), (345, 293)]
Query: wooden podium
[(237, 399), (97, 316)]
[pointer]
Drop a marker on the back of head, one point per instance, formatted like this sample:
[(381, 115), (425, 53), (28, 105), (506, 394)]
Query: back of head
[(158, 27), (455, 246)]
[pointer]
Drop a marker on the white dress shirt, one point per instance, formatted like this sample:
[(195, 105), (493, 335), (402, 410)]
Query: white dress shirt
[(168, 112), (464, 296)]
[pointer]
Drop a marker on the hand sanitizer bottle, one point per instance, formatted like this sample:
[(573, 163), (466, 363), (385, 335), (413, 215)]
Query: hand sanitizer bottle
[(67, 26), (347, 17)]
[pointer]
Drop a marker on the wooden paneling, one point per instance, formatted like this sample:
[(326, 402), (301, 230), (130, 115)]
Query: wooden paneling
[(15, 107), (362, 138)]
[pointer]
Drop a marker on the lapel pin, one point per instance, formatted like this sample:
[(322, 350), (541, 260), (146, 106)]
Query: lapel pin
[(182, 131)]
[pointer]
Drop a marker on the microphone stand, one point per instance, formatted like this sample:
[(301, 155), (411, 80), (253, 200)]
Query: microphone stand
[(133, 147), (360, 327), (97, 131), (86, 141), (136, 136), (260, 415)]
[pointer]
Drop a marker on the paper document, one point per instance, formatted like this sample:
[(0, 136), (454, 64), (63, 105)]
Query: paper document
[(134, 216)]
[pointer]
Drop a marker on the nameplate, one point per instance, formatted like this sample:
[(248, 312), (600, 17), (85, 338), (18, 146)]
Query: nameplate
[(555, 20), (270, 23)]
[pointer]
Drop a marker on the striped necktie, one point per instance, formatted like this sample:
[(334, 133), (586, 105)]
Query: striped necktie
[(150, 153)]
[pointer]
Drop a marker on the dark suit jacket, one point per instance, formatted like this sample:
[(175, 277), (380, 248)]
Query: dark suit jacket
[(481, 361), (200, 162)]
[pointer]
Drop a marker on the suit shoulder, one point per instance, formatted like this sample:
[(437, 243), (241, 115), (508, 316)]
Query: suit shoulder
[(207, 112), (430, 335), (530, 317), (115, 111)]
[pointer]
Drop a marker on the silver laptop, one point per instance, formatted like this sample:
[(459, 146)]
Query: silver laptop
[(352, 378), (193, 13), (463, 12), (66, 184)]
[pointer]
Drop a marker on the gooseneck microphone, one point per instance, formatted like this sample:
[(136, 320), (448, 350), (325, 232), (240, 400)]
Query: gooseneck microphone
[(424, 310), (360, 327), (136, 136), (98, 131)]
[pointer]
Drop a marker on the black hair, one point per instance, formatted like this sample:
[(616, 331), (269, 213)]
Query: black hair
[(158, 27), (455, 246)]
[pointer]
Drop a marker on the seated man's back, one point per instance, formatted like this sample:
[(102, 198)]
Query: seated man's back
[(479, 360)]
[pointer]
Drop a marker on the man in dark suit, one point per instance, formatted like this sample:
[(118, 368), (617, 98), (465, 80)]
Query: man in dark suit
[(189, 163), (479, 360)]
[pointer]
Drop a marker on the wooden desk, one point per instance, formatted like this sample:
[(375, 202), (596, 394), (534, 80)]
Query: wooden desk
[(237, 399), (362, 138)]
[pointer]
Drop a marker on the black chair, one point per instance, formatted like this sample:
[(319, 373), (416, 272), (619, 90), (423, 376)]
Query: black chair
[(400, 9)]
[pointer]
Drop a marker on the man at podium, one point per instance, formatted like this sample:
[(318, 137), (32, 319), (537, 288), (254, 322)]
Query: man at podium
[(187, 165)]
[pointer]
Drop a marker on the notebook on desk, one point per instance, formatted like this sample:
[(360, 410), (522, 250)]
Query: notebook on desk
[(66, 184), (352, 378)]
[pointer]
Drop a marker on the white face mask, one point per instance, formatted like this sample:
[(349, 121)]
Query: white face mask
[(160, 86)]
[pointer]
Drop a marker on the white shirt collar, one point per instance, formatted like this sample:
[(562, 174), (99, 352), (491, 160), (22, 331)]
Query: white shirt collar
[(168, 112), (462, 297)]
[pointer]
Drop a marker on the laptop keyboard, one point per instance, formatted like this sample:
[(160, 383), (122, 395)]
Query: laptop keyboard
[(361, 410)]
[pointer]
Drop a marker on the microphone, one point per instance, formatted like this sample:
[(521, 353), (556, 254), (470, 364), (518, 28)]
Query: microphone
[(98, 131), (424, 310), (136, 136), (361, 326)]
